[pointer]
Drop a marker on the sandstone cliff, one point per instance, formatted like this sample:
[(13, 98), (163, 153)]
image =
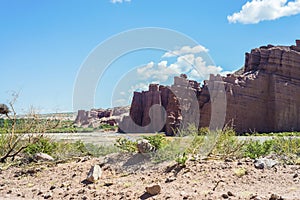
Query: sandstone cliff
[(95, 117), (264, 98)]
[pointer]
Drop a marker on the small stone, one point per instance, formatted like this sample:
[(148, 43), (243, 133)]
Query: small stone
[(228, 160), (239, 163), (153, 190), (81, 191), (42, 157), (52, 187), (225, 196), (94, 174), (40, 193), (264, 163), (275, 197), (144, 146), (170, 179), (47, 195), (295, 176), (182, 193), (230, 194), (108, 184)]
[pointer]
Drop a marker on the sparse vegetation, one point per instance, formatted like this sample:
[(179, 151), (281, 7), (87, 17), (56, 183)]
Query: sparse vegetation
[(227, 145), (256, 149), (181, 159), (157, 140), (126, 145), (58, 126)]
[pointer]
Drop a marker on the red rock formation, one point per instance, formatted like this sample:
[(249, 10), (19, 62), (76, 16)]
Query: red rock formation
[(96, 117), (265, 98), (176, 100)]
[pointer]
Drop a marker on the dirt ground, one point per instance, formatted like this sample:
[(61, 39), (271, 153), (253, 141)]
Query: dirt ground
[(125, 176)]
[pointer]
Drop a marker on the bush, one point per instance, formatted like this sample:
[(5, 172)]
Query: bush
[(126, 145), (227, 145), (289, 146), (256, 149), (41, 145), (181, 159), (157, 140)]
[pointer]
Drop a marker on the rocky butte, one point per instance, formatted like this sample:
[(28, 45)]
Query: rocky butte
[(264, 96)]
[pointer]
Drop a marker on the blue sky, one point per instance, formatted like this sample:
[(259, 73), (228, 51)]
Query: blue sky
[(44, 43)]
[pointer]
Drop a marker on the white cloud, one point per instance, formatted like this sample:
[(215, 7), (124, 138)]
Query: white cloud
[(138, 87), (256, 11), (191, 64), (185, 50), (119, 1)]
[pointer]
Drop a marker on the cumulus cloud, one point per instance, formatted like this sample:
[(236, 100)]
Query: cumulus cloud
[(138, 87), (185, 50), (119, 1), (188, 61), (256, 11)]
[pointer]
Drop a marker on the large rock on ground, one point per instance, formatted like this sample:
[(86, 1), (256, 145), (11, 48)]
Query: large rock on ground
[(94, 174)]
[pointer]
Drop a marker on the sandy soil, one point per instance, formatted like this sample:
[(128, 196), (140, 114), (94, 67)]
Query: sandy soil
[(125, 176)]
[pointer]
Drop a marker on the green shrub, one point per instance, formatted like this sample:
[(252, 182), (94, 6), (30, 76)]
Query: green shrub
[(227, 144), (195, 143), (157, 140), (181, 159), (41, 145), (286, 146), (126, 145), (256, 149)]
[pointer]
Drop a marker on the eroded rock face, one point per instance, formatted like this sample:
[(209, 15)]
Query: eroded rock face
[(96, 117), (179, 103), (264, 98)]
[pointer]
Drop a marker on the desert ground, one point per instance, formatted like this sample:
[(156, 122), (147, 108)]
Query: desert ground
[(126, 176)]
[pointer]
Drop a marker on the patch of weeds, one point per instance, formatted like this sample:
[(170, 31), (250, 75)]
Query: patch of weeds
[(181, 159), (203, 131), (101, 150), (41, 145), (65, 150), (195, 144), (227, 145), (256, 149), (286, 146), (157, 140), (126, 145), (288, 149), (169, 152)]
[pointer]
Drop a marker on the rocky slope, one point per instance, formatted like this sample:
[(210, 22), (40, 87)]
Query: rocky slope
[(264, 98)]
